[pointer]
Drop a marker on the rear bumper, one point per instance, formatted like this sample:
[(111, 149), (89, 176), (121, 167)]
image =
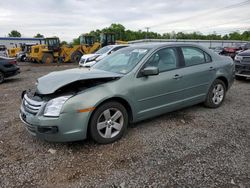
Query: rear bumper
[(11, 71)]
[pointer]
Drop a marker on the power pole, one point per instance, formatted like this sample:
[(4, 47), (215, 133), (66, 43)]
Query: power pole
[(147, 28)]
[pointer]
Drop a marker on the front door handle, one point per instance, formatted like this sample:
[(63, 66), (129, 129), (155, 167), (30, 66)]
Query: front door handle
[(177, 76), (211, 68)]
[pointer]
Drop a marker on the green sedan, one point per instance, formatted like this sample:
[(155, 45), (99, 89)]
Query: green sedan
[(130, 85)]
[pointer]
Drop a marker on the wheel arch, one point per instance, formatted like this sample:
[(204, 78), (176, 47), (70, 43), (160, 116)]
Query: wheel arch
[(223, 79), (121, 100)]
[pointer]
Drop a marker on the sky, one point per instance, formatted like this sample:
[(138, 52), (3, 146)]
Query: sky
[(70, 18)]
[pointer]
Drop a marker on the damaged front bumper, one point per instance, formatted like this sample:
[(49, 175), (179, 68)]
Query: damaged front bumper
[(54, 129), (242, 69)]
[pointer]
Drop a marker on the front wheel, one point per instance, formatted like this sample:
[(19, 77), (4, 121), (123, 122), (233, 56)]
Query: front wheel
[(216, 94), (108, 123), (47, 58)]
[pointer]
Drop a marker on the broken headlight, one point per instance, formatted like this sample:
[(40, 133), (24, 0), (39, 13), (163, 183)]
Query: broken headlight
[(54, 106)]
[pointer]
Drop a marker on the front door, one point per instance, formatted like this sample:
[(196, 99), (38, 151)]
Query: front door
[(159, 93)]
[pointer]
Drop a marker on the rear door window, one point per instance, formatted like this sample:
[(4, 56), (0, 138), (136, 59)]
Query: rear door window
[(194, 56)]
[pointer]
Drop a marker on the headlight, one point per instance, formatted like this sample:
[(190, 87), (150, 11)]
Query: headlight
[(238, 58), (54, 106), (92, 58)]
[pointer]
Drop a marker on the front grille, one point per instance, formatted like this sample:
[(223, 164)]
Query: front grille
[(30, 105)]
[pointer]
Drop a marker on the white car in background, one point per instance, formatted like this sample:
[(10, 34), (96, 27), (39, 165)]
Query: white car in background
[(89, 60)]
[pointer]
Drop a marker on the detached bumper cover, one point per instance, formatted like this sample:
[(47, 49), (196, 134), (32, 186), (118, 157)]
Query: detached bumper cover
[(11, 71), (242, 69)]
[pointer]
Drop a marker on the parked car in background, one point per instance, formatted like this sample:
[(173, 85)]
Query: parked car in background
[(89, 60), (130, 85), (242, 65), (8, 68), (230, 51), (218, 50), (3, 51), (26, 48)]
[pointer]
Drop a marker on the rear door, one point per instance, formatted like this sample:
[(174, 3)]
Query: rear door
[(198, 73)]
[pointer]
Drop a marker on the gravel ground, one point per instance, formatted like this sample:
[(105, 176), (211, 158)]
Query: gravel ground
[(194, 147)]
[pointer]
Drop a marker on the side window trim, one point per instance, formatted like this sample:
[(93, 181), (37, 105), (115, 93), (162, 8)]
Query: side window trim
[(210, 58)]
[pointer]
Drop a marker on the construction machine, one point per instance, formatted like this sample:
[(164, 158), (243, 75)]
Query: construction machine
[(45, 53), (12, 52), (74, 53), (51, 51), (88, 45)]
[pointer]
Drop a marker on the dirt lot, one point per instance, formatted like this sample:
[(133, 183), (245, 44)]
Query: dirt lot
[(195, 147)]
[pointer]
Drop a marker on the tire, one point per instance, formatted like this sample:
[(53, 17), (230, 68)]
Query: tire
[(1, 77), (216, 94), (108, 130), (239, 77), (47, 58), (75, 57), (23, 58)]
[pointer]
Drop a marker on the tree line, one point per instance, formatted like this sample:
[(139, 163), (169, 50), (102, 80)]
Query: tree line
[(128, 35), (124, 34)]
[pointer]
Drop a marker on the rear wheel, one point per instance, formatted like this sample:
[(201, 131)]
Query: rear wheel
[(1, 77), (23, 58), (47, 58), (216, 94), (75, 57), (108, 123), (239, 77)]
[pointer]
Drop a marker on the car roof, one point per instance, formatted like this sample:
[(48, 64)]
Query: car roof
[(162, 44), (116, 45)]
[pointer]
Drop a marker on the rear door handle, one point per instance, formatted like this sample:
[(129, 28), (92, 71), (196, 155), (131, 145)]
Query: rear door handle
[(177, 76)]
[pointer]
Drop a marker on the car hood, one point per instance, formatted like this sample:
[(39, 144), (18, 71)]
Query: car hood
[(51, 82), (89, 56), (245, 53)]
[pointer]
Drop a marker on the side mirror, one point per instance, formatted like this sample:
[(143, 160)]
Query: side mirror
[(150, 71)]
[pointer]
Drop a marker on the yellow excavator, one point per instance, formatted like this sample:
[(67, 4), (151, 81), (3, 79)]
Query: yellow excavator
[(12, 52), (45, 53), (74, 53)]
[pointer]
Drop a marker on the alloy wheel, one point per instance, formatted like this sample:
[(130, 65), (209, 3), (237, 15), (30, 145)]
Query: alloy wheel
[(110, 123), (218, 94)]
